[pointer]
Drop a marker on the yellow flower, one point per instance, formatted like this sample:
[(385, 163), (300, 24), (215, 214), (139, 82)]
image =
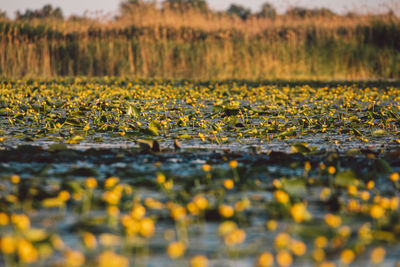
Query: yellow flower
[(128, 189), (110, 182), (333, 220), (206, 168), (307, 166), (370, 185), (77, 196), (242, 204), (74, 258), (27, 252), (237, 236), (89, 240), (233, 164), (178, 212), (347, 256), (281, 196), (131, 225), (277, 183), (153, 204), (64, 195), (377, 212), (353, 205), (394, 176), (318, 255), (176, 249), (266, 259), (272, 225), (202, 137), (344, 231), (394, 204), (378, 255), (365, 195), (57, 242), (4, 219), (161, 178), (321, 242), (21, 221), (331, 170), (327, 264), (7, 244), (15, 179), (226, 228), (199, 261), (325, 194), (299, 212), (169, 185), (52, 202), (385, 203), (352, 190), (112, 197), (138, 211), (91, 182), (110, 259), (298, 248), (282, 240), (284, 258), (364, 233), (229, 184), (147, 227), (192, 208), (11, 198), (226, 211), (113, 211), (200, 202)]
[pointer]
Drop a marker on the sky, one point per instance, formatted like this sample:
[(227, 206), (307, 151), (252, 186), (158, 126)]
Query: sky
[(111, 6)]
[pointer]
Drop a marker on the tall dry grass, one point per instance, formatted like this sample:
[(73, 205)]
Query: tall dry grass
[(154, 43)]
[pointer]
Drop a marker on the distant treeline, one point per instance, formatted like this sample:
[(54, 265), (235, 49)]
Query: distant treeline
[(185, 39)]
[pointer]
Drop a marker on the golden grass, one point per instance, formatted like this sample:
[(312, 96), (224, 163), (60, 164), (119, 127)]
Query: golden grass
[(168, 44)]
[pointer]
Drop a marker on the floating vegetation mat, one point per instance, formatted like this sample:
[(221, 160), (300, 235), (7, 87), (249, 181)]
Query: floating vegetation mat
[(120, 173)]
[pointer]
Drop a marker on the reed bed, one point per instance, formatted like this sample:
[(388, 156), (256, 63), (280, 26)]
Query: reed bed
[(167, 44)]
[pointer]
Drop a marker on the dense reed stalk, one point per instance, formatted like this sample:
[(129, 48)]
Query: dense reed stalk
[(156, 44)]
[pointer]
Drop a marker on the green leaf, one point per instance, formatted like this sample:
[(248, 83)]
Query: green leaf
[(185, 136), (181, 123), (74, 122), (154, 128), (357, 132), (312, 230), (133, 111), (73, 186), (353, 152), (300, 148), (36, 235), (346, 178), (233, 104), (87, 127), (75, 139), (295, 187), (287, 133), (232, 120), (145, 145), (57, 147), (382, 166), (379, 132)]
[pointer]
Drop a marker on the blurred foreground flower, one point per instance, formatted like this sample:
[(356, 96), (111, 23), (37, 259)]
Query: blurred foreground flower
[(176, 249)]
